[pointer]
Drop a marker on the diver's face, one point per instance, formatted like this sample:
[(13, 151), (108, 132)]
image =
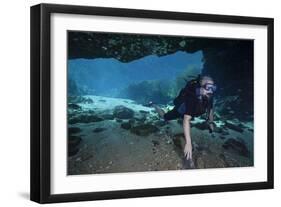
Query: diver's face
[(207, 91)]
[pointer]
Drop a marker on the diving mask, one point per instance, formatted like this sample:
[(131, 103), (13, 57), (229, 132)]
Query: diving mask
[(210, 87)]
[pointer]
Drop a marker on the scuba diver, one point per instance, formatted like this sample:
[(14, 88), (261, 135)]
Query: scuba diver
[(195, 99)]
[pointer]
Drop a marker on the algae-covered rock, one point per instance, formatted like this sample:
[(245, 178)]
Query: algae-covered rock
[(233, 127), (200, 163), (160, 123), (229, 161), (74, 106), (98, 129), (207, 160), (179, 142), (237, 146), (74, 130), (201, 125), (108, 116), (143, 112), (79, 99), (224, 132), (126, 125), (119, 120), (155, 143), (144, 129), (73, 145), (122, 112), (84, 118)]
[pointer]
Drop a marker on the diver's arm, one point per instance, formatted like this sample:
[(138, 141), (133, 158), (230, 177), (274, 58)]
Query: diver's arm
[(211, 119), (211, 115), (186, 130), (210, 111)]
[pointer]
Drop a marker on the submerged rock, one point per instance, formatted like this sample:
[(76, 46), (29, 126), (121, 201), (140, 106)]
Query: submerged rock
[(229, 162), (119, 120), (251, 130), (208, 160), (179, 121), (155, 142), (108, 116), (122, 112), (242, 126), (225, 133), (73, 145), (200, 163), (88, 101), (79, 99), (74, 130), (72, 151), (126, 125), (237, 146), (86, 156), (179, 143), (201, 125), (144, 129), (144, 112), (160, 123), (74, 140), (233, 127), (202, 148), (84, 118), (132, 121), (218, 130), (141, 119), (74, 106), (98, 129)]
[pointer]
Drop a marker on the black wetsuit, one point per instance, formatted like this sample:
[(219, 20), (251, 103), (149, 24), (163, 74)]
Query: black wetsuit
[(189, 102)]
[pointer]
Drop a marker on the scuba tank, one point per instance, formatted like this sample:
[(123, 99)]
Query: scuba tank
[(187, 90)]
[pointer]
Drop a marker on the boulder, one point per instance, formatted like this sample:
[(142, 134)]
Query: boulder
[(122, 112), (126, 125), (108, 116), (119, 120)]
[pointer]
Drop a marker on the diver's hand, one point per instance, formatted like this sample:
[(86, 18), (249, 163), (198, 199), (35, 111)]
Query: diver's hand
[(188, 150)]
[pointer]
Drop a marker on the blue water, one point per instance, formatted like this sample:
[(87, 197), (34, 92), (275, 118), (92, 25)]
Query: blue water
[(107, 75)]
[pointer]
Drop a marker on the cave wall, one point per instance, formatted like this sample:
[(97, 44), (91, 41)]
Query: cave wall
[(232, 68), (124, 47)]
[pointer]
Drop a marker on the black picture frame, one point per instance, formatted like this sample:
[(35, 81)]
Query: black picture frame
[(40, 184)]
